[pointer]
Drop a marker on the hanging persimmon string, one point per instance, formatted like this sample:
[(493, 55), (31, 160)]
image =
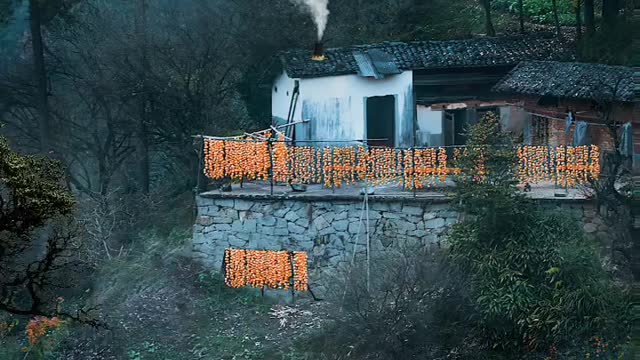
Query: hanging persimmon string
[(568, 165), (266, 269), (336, 166)]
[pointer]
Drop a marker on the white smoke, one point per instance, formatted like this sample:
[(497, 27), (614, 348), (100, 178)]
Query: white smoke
[(319, 10)]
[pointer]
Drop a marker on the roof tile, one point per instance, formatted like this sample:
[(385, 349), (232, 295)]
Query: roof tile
[(477, 52), (569, 80)]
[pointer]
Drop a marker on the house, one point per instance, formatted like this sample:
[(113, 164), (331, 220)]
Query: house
[(594, 94), (403, 93)]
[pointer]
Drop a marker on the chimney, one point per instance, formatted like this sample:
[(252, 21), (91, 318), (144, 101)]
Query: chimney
[(318, 52)]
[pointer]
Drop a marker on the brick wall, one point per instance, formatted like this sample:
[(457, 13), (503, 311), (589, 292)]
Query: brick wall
[(583, 111)]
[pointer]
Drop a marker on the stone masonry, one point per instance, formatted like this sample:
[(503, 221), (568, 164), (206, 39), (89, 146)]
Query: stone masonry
[(326, 227)]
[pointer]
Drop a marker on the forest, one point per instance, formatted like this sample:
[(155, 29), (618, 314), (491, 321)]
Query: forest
[(101, 102)]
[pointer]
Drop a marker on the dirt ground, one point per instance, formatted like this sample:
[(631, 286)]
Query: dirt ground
[(183, 313)]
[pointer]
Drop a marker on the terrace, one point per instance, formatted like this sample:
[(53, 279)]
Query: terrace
[(271, 169)]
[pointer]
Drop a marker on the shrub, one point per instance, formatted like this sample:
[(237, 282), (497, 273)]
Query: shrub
[(413, 308), (540, 11), (536, 279)]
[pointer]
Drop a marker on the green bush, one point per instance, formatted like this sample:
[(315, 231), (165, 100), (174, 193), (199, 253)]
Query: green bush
[(536, 280), (540, 11), (414, 308)]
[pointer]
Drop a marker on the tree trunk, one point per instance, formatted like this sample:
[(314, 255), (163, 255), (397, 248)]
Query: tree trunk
[(40, 76), (143, 131), (521, 15), (610, 9), (589, 17), (487, 13), (556, 20), (578, 20)]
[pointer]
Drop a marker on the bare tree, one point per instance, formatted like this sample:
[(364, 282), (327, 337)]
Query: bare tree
[(589, 17), (556, 19), (40, 73), (521, 15), (488, 22), (612, 189)]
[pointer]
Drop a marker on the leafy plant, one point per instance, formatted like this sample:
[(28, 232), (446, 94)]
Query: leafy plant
[(540, 11), (536, 280)]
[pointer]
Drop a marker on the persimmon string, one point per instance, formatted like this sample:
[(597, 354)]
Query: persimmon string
[(336, 166), (266, 269)]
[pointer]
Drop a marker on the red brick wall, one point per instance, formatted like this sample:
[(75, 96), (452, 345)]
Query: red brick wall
[(583, 111)]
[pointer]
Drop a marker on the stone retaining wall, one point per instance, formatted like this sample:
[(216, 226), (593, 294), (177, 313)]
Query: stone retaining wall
[(326, 228)]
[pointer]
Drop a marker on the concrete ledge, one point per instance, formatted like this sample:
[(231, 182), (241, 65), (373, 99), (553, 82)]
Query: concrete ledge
[(328, 196), (432, 199)]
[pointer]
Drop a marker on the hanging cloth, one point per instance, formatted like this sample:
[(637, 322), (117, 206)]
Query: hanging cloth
[(567, 126), (626, 140), (526, 131), (580, 134)]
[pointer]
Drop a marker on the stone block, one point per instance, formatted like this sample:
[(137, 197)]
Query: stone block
[(379, 206), (418, 233), (221, 220), (341, 225), (224, 203), (341, 215), (203, 201), (430, 239), (280, 213), (450, 221), (353, 227), (412, 210), (292, 216), (216, 235), (428, 215), (304, 222), (244, 236), (212, 210), (295, 229), (250, 225), (242, 205), (281, 231), (320, 223), (261, 229), (268, 221), (390, 215), (281, 223), (395, 207), (326, 231), (404, 226), (434, 223), (222, 227), (329, 216), (448, 214), (229, 213), (204, 220), (236, 242)]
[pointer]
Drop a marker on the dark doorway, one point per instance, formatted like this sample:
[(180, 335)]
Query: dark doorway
[(381, 120), (454, 122)]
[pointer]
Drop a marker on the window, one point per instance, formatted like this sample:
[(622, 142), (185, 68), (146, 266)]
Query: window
[(539, 130), (547, 100)]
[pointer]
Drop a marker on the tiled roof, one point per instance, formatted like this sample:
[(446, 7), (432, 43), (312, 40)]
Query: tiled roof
[(569, 80), (477, 52)]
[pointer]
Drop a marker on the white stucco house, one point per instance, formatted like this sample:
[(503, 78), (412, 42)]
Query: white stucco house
[(403, 94)]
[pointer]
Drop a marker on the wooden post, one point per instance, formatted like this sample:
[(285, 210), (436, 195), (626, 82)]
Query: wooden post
[(270, 146), (293, 276), (333, 171), (413, 170)]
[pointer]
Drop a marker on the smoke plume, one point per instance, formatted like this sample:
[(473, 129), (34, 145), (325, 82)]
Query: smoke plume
[(319, 10)]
